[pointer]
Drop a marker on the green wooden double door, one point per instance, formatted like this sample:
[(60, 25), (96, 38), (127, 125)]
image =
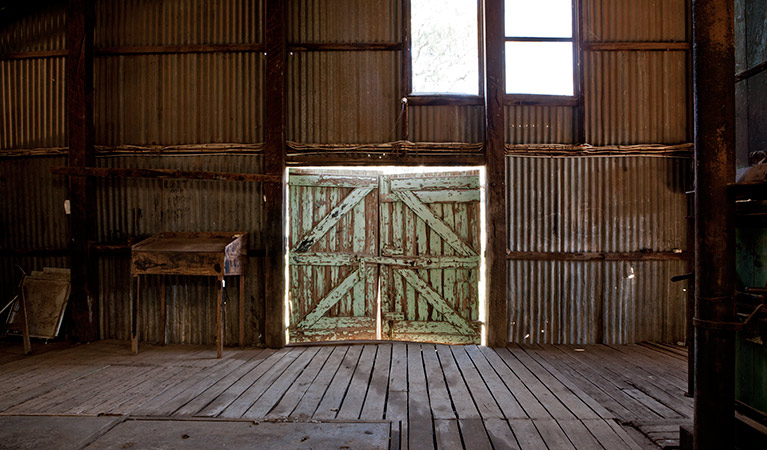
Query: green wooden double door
[(389, 256)]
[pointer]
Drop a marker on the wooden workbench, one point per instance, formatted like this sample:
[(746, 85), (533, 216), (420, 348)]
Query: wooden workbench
[(216, 254)]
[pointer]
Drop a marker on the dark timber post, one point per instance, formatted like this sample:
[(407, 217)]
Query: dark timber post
[(274, 153), (495, 150), (79, 104), (714, 92)]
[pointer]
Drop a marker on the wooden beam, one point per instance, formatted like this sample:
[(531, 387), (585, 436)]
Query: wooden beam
[(274, 153), (345, 46), (34, 55), (113, 172), (445, 100), (536, 100), (178, 49), (79, 105), (497, 301), (597, 256), (636, 46)]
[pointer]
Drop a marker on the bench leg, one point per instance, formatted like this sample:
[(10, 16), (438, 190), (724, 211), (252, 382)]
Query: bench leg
[(163, 315), (135, 316), (219, 324), (241, 318)]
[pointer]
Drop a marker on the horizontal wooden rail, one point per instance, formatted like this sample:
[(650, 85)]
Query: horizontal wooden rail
[(597, 256), (109, 172), (636, 46), (178, 49), (345, 46), (144, 50)]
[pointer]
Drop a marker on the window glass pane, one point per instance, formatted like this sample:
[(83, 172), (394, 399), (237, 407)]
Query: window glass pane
[(444, 43), (539, 68), (539, 18)]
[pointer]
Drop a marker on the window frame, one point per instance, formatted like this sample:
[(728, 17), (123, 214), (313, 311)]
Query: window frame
[(548, 99), (436, 98)]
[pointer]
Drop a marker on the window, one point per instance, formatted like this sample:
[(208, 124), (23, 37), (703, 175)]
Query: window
[(539, 47), (444, 47)]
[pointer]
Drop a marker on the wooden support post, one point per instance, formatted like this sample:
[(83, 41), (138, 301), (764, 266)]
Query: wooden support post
[(79, 104), (715, 311), (274, 152), (497, 299)]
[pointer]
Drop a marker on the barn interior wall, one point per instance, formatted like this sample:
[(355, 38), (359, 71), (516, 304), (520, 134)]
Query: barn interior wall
[(152, 95)]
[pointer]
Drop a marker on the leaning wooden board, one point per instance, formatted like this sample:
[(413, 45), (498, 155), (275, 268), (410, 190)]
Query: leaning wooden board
[(217, 254)]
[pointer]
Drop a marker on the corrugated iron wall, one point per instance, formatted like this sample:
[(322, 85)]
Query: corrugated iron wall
[(32, 115), (348, 21), (634, 20), (637, 96), (39, 30), (446, 123), (32, 90), (343, 96), (177, 22), (190, 97), (540, 124), (596, 204), (178, 98)]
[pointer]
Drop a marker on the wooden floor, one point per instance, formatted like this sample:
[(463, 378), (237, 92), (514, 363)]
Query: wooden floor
[(434, 396)]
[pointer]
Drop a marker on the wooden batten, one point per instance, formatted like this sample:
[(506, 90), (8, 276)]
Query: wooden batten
[(497, 307), (274, 152), (79, 110)]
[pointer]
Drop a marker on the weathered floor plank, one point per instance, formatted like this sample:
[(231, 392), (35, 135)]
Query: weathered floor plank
[(195, 405), (434, 396), (298, 388), (311, 399), (420, 425)]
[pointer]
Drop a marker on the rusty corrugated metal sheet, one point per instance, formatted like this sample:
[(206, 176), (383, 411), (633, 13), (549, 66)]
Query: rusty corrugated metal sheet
[(177, 22), (32, 99), (540, 124), (179, 99), (635, 97), (596, 204), (343, 21), (634, 20), (641, 303), (42, 28), (446, 123), (576, 302), (32, 204), (141, 207), (343, 97)]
